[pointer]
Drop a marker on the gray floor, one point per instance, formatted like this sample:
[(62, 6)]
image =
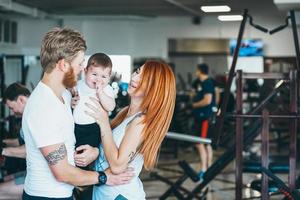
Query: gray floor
[(221, 188)]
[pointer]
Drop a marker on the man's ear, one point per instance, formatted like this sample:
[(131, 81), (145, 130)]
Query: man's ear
[(22, 99), (62, 65)]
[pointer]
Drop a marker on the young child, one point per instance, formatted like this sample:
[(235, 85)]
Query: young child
[(95, 84)]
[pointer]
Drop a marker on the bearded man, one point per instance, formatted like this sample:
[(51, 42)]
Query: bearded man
[(48, 124)]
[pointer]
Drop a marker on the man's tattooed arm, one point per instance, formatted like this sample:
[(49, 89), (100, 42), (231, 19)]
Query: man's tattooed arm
[(56, 155)]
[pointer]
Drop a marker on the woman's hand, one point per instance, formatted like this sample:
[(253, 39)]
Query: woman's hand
[(85, 154), (97, 111)]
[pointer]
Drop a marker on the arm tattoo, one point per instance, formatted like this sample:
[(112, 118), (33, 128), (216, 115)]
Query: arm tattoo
[(131, 157), (56, 155)]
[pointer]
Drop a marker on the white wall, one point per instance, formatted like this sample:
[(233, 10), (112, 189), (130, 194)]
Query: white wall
[(148, 37), (30, 34)]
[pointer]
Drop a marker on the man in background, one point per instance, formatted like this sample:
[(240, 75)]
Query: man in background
[(203, 103), (15, 98)]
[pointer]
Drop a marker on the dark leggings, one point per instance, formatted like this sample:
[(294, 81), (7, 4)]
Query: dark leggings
[(28, 197)]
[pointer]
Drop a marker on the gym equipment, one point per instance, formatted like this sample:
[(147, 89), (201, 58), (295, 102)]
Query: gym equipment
[(187, 138), (288, 192), (292, 80), (249, 136), (2, 106), (210, 174), (220, 119), (275, 167), (239, 126)]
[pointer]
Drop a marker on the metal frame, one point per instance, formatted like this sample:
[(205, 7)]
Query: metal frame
[(244, 140), (2, 106), (224, 160), (187, 138), (265, 153), (220, 119), (293, 116)]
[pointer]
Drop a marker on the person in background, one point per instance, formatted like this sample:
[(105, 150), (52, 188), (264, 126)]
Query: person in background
[(15, 98), (203, 104)]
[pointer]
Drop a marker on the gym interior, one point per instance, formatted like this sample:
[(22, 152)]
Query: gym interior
[(250, 51)]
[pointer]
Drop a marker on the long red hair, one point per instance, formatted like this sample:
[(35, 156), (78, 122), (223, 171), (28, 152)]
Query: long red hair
[(159, 84)]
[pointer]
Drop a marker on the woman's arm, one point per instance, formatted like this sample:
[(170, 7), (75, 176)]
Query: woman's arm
[(118, 159)]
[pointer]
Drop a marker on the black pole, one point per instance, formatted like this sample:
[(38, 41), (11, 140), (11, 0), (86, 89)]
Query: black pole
[(293, 129), (220, 119), (23, 70), (2, 87), (239, 141), (265, 154), (296, 39)]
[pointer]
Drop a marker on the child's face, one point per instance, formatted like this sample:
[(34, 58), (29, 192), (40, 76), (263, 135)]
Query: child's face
[(95, 75)]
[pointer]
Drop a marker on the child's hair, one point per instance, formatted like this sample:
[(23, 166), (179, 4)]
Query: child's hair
[(99, 60)]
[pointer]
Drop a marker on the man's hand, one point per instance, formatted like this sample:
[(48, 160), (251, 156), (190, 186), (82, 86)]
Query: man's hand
[(11, 142), (85, 154), (120, 179)]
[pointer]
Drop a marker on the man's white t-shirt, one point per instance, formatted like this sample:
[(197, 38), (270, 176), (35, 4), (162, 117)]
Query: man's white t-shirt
[(85, 92), (47, 121)]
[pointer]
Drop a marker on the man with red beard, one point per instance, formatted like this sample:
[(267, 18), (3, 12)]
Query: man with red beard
[(48, 124)]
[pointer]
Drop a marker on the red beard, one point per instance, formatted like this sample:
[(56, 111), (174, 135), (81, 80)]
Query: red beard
[(70, 79)]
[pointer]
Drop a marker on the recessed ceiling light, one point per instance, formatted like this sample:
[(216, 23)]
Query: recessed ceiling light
[(222, 8), (230, 17)]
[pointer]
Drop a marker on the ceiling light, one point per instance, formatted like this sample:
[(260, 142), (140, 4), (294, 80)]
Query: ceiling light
[(230, 17), (215, 8)]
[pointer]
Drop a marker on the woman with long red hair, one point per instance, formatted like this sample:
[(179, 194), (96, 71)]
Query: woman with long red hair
[(134, 136)]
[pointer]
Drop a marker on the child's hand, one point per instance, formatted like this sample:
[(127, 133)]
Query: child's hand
[(75, 101), (74, 91), (99, 89), (75, 98)]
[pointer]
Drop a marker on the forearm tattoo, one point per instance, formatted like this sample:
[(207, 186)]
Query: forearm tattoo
[(131, 157), (56, 155)]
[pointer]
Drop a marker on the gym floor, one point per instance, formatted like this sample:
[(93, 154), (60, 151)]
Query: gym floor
[(221, 188)]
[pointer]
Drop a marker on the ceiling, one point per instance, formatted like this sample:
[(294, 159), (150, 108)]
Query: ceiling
[(145, 7)]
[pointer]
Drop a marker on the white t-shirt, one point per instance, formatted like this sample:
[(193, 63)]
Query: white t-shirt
[(47, 121), (85, 92)]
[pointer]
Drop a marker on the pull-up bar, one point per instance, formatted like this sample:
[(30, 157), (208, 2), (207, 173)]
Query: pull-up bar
[(187, 138)]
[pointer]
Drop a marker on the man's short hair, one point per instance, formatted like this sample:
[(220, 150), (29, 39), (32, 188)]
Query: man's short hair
[(60, 43), (203, 67), (99, 60), (15, 90)]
